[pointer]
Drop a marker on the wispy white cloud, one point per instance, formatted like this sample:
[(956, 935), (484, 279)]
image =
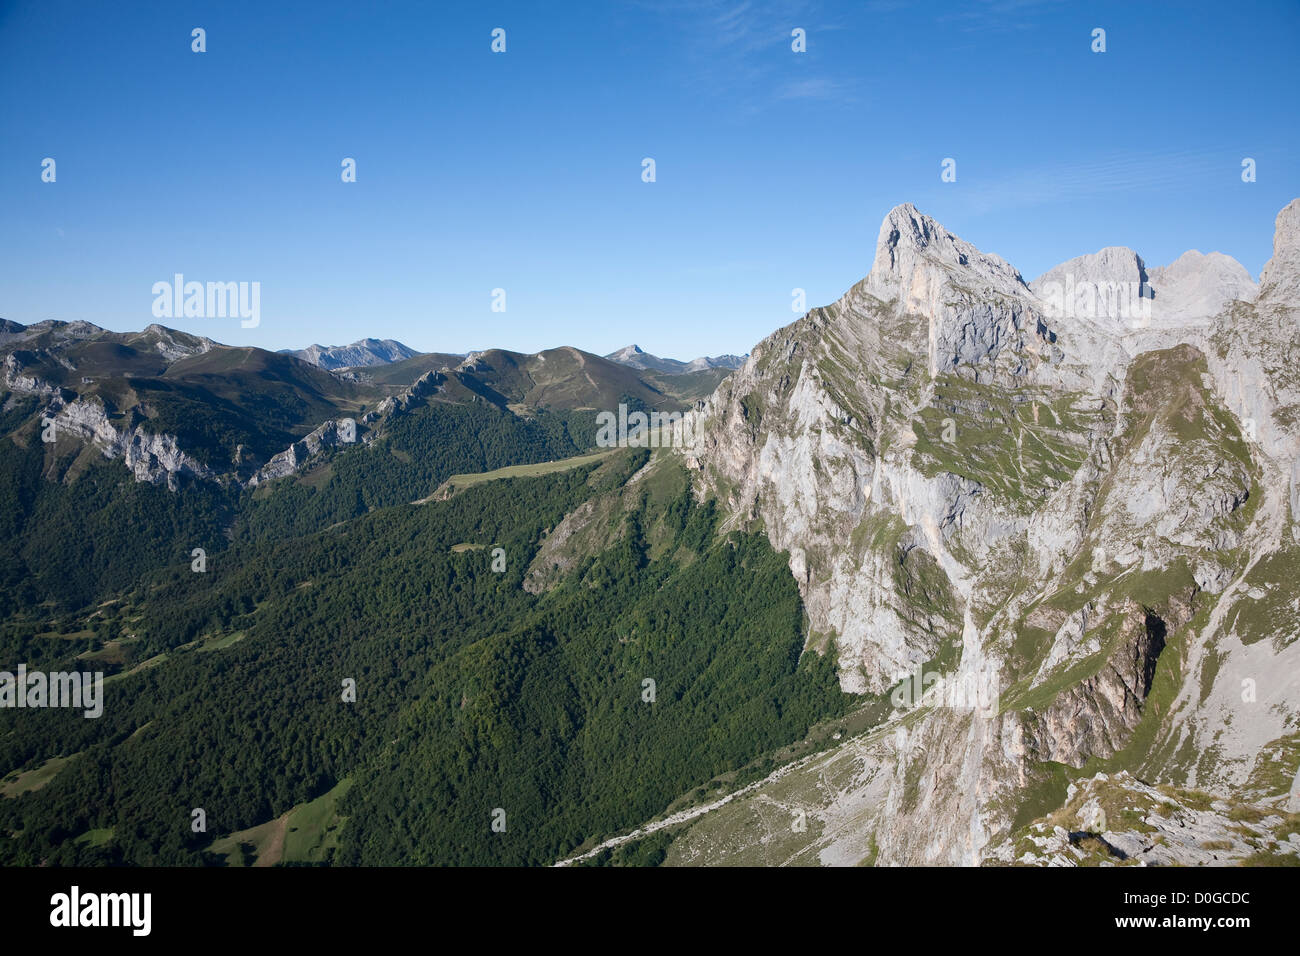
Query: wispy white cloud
[(740, 49), (1122, 171), (815, 88), (996, 15)]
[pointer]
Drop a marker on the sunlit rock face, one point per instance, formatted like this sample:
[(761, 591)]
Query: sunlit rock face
[(1084, 510)]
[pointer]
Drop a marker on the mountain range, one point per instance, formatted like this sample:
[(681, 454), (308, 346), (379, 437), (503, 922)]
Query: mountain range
[(958, 569), (633, 357), (362, 353), (367, 353)]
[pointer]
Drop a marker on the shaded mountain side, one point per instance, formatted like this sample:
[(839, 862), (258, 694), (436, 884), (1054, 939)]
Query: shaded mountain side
[(173, 405), (226, 409), (405, 372), (562, 378)]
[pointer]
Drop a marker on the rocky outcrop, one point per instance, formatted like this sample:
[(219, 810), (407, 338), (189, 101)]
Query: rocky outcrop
[(18, 379), (555, 557), (150, 457), (1095, 716), (332, 434), (157, 458), (430, 383), (174, 346), (1119, 820)]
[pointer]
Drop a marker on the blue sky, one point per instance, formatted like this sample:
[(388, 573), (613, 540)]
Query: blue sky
[(522, 170)]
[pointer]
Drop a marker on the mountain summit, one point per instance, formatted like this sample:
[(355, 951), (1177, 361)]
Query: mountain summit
[(1281, 273), (914, 253), (363, 353), (633, 356), (1091, 522)]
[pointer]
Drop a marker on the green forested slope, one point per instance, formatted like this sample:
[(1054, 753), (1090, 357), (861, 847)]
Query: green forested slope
[(472, 694)]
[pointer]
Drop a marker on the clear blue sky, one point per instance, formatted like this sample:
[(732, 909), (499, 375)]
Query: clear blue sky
[(522, 170)]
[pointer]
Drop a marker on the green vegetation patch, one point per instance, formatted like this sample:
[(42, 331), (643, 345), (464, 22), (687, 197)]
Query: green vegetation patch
[(1018, 442), (18, 783), (315, 827)]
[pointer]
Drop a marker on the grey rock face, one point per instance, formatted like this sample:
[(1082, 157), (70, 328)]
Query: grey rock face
[(151, 458), (633, 356), (173, 346), (430, 383), (1279, 282), (364, 353), (332, 434), (1113, 473), (17, 379), (1118, 820), (976, 304), (1096, 716)]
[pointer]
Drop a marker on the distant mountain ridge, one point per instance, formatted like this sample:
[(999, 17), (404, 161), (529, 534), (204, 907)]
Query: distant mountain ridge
[(363, 353), (174, 405), (371, 353), (634, 356)]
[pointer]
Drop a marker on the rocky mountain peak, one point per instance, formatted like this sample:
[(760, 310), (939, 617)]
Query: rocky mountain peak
[(1112, 264), (627, 355), (1080, 457), (911, 246), (1114, 289), (950, 301), (1280, 279), (1197, 285), (1194, 260), (1194, 264), (1109, 288), (363, 353), (633, 356)]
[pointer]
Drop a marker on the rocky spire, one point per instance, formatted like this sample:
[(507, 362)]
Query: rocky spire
[(915, 255), (1280, 281)]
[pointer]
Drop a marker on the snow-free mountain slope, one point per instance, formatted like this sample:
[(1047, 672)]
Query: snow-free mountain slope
[(364, 353), (634, 356), (1092, 523)]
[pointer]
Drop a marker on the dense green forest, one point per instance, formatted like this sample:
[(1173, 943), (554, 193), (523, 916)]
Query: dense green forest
[(73, 542), (68, 544), (472, 694), (416, 453)]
